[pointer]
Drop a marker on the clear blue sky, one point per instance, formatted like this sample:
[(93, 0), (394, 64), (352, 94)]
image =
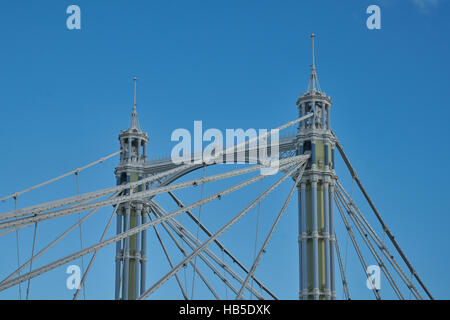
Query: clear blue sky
[(65, 95)]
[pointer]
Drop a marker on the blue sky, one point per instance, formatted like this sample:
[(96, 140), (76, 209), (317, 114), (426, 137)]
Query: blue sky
[(65, 96)]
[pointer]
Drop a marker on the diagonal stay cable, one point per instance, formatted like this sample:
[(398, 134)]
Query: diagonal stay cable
[(341, 269), (18, 250), (81, 233), (198, 230), (4, 233), (183, 291), (16, 194), (216, 235), (272, 230), (192, 246), (35, 209), (221, 246), (156, 212), (193, 243), (379, 243), (225, 286), (214, 159), (32, 255), (258, 216), (355, 245), (370, 246), (91, 262), (123, 235), (59, 238), (194, 267), (144, 194), (380, 219)]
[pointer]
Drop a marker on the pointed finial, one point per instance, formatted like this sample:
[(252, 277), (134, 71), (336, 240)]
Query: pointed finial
[(313, 62), (313, 84), (134, 117), (134, 101)]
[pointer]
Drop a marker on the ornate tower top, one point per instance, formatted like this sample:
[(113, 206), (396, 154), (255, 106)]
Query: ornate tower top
[(313, 84), (133, 141), (315, 101), (313, 91), (134, 127), (134, 116)]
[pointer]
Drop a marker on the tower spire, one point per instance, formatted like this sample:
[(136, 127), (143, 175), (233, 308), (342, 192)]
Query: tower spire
[(313, 84), (134, 116)]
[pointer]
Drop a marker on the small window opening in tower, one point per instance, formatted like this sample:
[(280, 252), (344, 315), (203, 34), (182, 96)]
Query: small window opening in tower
[(123, 178), (307, 150), (307, 146)]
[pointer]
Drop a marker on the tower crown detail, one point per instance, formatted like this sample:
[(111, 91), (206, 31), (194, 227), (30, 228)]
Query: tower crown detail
[(134, 116), (313, 84), (314, 100), (133, 141)]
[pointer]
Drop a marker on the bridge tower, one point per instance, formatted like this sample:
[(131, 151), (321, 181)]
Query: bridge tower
[(131, 253), (316, 193)]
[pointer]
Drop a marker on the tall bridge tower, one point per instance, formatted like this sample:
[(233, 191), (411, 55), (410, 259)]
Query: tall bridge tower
[(131, 253), (315, 194)]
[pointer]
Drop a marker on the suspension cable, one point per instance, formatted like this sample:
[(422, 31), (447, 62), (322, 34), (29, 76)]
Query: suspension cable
[(380, 244), (181, 248), (341, 269), (17, 250), (183, 292), (409, 298), (177, 169), (81, 235), (130, 232), (4, 233), (284, 163), (51, 244), (371, 247), (194, 267), (216, 235), (193, 243), (198, 230), (226, 288), (347, 237), (221, 246), (380, 219), (256, 232), (32, 255), (91, 262), (272, 230), (180, 168), (184, 267), (355, 245), (16, 194)]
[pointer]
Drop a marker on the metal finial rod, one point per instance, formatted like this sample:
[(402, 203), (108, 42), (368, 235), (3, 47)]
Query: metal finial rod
[(313, 84), (313, 62), (134, 119), (134, 100)]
